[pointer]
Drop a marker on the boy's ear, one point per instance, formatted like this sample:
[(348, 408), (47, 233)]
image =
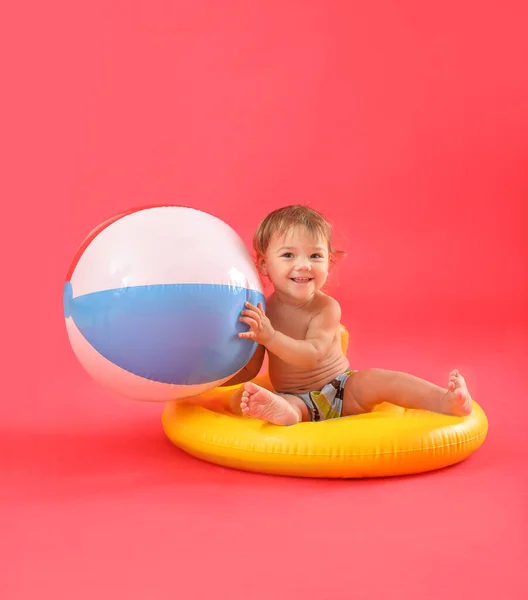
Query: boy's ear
[(261, 265)]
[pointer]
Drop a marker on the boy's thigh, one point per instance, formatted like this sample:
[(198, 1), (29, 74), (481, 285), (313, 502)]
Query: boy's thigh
[(356, 398)]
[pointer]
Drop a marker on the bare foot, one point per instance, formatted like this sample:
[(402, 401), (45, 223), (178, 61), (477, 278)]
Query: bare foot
[(262, 404), (457, 396)]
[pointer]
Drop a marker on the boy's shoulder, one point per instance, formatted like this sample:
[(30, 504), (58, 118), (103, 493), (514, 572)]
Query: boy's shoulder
[(325, 303)]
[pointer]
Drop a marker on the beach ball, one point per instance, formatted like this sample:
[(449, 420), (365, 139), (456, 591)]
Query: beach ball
[(152, 303)]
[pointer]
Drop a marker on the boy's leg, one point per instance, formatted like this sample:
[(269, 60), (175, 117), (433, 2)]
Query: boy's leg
[(365, 389)]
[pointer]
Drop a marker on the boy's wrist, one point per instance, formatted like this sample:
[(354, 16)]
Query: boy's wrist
[(270, 339)]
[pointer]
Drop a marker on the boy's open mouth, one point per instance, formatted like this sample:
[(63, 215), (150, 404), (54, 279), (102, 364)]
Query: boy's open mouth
[(301, 279)]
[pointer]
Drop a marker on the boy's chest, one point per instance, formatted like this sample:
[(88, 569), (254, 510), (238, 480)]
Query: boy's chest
[(292, 322)]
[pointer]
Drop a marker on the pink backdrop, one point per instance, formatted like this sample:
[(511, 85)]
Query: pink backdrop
[(406, 124)]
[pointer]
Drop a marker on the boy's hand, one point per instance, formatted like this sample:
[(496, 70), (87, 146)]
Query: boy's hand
[(261, 330)]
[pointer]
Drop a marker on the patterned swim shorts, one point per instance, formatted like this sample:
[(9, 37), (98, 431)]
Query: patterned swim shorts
[(327, 403)]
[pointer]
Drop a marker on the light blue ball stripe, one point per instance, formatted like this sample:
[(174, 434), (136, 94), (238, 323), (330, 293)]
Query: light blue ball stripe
[(181, 334)]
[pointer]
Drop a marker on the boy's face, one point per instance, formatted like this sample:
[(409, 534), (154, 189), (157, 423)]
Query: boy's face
[(296, 263)]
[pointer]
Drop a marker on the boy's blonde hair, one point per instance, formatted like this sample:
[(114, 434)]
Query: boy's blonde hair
[(286, 218)]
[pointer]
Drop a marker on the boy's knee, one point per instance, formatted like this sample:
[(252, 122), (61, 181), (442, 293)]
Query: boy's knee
[(362, 390)]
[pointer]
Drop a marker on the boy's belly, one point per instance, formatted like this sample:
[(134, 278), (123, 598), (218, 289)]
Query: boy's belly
[(286, 378)]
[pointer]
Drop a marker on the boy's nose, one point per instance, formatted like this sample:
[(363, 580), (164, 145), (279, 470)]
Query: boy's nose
[(303, 264)]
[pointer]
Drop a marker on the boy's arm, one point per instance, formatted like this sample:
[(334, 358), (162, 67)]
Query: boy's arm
[(305, 354), (308, 353), (250, 371)]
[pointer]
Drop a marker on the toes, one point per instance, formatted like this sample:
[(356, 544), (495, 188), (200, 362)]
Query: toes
[(455, 379)]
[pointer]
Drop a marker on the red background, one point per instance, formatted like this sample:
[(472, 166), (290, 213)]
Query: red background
[(407, 124)]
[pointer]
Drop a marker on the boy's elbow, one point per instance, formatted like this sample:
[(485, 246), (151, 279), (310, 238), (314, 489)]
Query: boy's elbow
[(241, 377), (316, 357), (251, 374)]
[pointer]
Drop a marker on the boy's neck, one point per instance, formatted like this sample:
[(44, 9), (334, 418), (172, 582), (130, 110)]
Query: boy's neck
[(286, 300)]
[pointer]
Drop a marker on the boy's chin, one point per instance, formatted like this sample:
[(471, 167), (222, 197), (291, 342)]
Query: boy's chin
[(301, 291)]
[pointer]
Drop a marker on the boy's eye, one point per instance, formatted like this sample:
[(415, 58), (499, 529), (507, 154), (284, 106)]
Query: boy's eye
[(316, 256), (287, 255)]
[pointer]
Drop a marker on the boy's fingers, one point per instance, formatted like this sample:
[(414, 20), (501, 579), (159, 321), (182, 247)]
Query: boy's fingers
[(250, 313), (246, 334), (249, 321)]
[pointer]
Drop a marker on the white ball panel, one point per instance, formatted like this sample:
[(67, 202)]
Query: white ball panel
[(165, 245)]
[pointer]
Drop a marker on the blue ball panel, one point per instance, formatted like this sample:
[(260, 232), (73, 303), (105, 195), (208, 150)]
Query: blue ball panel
[(181, 334)]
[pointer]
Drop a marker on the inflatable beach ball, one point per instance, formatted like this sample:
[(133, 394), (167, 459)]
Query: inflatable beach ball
[(152, 303)]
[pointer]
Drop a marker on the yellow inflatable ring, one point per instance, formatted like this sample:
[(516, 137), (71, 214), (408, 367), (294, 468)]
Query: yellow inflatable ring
[(386, 442)]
